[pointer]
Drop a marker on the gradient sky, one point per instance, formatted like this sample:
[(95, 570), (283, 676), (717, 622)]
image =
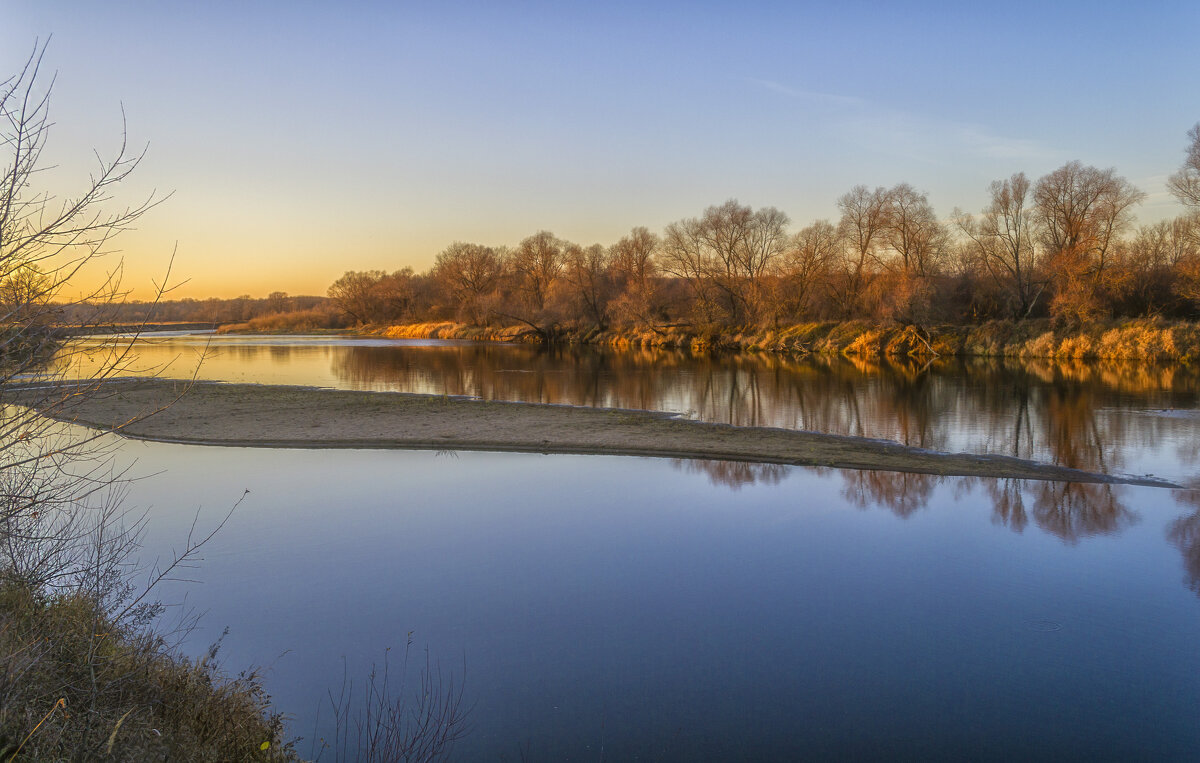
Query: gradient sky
[(304, 139)]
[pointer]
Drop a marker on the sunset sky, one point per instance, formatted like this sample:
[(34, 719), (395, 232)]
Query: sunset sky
[(301, 140)]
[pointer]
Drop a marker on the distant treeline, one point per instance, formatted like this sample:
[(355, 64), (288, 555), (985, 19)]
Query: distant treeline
[(210, 311), (1064, 247)]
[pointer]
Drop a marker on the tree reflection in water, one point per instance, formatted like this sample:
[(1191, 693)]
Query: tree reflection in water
[(733, 474), (1075, 510), (1185, 534), (1070, 511), (1073, 414), (901, 493)]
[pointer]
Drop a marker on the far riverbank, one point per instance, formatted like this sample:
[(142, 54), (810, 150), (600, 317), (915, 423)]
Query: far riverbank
[(1142, 340)]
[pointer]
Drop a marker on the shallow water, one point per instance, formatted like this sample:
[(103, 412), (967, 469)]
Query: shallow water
[(621, 608), (1112, 418)]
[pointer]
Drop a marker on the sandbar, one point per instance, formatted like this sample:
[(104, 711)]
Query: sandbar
[(255, 415)]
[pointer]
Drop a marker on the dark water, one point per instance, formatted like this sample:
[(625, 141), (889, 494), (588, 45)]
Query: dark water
[(636, 609), (631, 609)]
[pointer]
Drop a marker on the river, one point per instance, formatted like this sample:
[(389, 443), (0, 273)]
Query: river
[(608, 608)]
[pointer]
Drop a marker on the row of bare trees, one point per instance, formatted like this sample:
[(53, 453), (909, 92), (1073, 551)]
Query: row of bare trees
[(1064, 245), (214, 310)]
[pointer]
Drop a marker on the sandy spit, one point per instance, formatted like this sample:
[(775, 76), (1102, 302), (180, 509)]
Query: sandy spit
[(253, 415)]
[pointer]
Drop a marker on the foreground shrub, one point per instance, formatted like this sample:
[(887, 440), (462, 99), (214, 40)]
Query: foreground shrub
[(78, 684)]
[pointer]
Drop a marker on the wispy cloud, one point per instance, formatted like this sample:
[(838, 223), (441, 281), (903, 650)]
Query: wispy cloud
[(926, 138), (808, 95), (982, 141)]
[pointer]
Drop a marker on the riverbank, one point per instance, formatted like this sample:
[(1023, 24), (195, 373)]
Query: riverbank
[(250, 415), (1143, 339), (83, 681)]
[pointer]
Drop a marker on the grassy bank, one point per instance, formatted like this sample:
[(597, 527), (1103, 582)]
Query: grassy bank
[(78, 684), (1143, 339)]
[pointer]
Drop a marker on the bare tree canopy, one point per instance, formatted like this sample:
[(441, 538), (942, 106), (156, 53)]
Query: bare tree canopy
[(1185, 183), (636, 280), (1082, 209), (588, 276), (1064, 246), (805, 264), (45, 244), (1081, 212), (912, 230), (536, 262), (469, 274), (1002, 241), (632, 257), (375, 296), (861, 227), (725, 256)]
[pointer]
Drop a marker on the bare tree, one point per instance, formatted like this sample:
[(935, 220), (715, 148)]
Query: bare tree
[(45, 244), (589, 283), (632, 259), (1157, 263), (635, 278), (1184, 247), (912, 230), (862, 225), (65, 540), (1081, 211), (376, 296), (684, 256), (536, 263), (919, 242), (1185, 183), (277, 302), (1002, 240), (725, 256), (353, 293), (469, 274), (804, 266)]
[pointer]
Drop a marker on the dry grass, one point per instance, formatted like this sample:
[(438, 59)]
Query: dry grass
[(294, 322), (1143, 339), (451, 330), (75, 685)]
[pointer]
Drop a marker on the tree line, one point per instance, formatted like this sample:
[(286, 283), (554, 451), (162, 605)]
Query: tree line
[(213, 310), (1064, 246)]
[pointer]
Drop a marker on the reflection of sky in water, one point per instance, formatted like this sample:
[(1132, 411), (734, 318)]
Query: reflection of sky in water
[(1099, 417), (641, 607)]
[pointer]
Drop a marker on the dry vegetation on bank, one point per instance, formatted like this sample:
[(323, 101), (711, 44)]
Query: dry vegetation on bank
[(292, 322), (1148, 339), (77, 683)]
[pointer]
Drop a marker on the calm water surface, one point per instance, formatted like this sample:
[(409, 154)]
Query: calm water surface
[(622, 609), (1121, 419), (641, 609)]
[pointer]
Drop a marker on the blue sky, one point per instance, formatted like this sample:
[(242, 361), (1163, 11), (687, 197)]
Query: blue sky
[(305, 139)]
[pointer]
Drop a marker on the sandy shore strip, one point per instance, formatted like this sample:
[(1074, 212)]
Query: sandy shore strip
[(253, 415)]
